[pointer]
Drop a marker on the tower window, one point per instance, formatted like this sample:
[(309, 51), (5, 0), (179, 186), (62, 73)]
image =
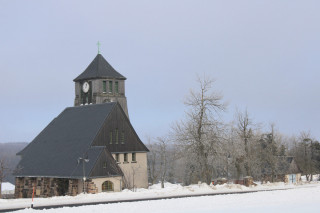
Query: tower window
[(105, 165), (125, 157), (117, 136), (104, 86), (110, 86), (117, 157), (122, 137), (110, 137), (116, 85), (134, 159)]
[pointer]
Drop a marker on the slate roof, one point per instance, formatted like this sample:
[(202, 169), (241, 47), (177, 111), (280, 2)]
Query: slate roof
[(99, 68), (55, 151)]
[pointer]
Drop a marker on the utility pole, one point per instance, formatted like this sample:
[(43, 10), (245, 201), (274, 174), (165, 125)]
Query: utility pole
[(84, 160)]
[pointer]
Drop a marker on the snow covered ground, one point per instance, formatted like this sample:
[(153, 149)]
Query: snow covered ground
[(7, 188), (293, 200), (315, 178), (297, 195)]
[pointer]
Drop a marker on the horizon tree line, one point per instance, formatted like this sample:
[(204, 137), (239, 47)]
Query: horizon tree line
[(202, 147)]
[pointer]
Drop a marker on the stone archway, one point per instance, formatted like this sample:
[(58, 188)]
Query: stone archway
[(107, 186)]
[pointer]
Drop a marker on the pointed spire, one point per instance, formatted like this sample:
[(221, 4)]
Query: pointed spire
[(99, 68)]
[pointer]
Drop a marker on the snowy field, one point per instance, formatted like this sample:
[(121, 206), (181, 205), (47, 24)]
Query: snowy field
[(296, 197), (292, 200)]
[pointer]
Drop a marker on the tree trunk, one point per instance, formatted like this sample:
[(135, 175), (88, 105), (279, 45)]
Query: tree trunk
[(162, 182)]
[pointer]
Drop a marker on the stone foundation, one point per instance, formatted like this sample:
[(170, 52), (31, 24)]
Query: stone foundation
[(73, 187), (92, 188), (44, 187), (49, 187)]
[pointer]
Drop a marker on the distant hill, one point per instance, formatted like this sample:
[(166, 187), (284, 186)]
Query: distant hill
[(8, 152)]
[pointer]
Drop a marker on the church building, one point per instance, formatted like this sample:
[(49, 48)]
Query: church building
[(91, 147)]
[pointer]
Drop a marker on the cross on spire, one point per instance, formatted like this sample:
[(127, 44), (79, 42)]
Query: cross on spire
[(98, 44)]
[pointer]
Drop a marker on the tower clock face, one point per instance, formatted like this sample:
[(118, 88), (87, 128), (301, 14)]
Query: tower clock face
[(85, 87)]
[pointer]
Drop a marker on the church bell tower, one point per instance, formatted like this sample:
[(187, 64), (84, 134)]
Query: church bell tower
[(100, 83)]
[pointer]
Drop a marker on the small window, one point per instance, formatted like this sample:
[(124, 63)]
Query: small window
[(110, 137), (117, 157), (125, 157), (104, 86), (116, 85), (134, 159), (122, 137), (117, 136), (105, 165), (110, 86)]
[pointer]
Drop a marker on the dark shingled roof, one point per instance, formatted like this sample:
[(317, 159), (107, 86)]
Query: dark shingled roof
[(64, 140), (99, 68)]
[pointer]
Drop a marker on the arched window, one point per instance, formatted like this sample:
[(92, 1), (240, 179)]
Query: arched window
[(107, 186)]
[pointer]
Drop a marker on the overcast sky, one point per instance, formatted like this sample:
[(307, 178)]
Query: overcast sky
[(264, 56)]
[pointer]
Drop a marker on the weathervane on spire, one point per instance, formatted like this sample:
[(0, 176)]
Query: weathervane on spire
[(98, 44)]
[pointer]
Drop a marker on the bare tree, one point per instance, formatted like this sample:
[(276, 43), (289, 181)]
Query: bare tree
[(3, 172), (248, 135), (232, 152), (153, 159), (306, 151), (244, 130), (305, 154), (198, 135), (163, 159), (269, 155)]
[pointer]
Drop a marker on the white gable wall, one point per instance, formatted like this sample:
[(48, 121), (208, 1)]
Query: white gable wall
[(135, 173)]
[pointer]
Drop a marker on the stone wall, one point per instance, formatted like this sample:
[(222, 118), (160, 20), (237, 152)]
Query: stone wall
[(73, 187), (49, 187), (91, 187), (76, 187), (45, 187)]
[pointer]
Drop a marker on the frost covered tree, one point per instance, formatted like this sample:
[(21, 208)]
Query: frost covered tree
[(153, 159), (244, 130), (163, 143), (269, 154), (161, 161), (3, 172), (307, 154), (198, 135), (243, 137)]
